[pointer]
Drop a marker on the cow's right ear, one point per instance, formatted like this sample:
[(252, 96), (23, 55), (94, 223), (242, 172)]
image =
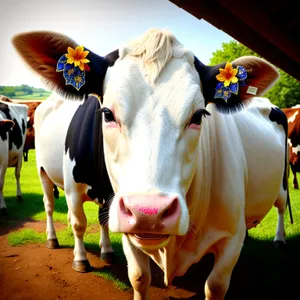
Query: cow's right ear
[(6, 125), (43, 49)]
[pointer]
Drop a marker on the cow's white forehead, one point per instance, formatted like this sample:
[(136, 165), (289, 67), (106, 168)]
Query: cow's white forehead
[(176, 89)]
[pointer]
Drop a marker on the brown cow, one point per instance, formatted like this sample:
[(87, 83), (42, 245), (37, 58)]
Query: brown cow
[(32, 105), (293, 115)]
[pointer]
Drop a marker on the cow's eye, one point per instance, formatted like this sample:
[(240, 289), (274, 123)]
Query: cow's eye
[(197, 116), (108, 115)]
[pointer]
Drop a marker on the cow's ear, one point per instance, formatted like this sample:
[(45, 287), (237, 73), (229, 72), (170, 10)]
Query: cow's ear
[(260, 76), (43, 49), (6, 125)]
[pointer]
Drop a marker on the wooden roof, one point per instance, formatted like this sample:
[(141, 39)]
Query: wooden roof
[(269, 27)]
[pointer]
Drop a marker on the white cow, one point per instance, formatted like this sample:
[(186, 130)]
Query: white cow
[(184, 185), (11, 144)]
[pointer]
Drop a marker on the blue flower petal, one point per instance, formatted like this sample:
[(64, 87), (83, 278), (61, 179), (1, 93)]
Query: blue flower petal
[(222, 92), (234, 88), (61, 64), (242, 73), (74, 76), (226, 93), (219, 90)]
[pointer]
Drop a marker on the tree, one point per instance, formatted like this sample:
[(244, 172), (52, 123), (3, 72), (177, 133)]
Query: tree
[(285, 93)]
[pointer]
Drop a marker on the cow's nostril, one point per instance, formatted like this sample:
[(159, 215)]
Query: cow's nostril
[(171, 210), (124, 209)]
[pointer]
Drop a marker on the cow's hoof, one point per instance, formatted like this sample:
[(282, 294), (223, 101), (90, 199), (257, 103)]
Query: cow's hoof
[(19, 198), (82, 266), (52, 244), (109, 257), (3, 211), (279, 244)]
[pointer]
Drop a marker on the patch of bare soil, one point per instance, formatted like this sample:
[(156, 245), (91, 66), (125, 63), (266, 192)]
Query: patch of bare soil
[(35, 272)]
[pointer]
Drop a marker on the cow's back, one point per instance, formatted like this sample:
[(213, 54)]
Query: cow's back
[(52, 119)]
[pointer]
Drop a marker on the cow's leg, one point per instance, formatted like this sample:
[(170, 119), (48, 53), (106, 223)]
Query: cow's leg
[(226, 252), (106, 251), (79, 223), (3, 209), (17, 175), (48, 199), (295, 181), (138, 270), (281, 207)]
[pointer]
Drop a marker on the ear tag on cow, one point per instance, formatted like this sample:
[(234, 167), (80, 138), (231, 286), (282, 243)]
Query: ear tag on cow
[(73, 65), (229, 80)]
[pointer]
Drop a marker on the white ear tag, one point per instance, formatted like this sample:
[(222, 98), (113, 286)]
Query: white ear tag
[(252, 90)]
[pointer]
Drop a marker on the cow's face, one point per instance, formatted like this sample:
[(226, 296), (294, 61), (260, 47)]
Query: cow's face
[(151, 133)]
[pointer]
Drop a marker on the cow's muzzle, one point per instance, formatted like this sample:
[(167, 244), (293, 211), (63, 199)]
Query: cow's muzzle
[(149, 218)]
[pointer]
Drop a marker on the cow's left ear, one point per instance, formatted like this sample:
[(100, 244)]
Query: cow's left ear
[(233, 84), (65, 66)]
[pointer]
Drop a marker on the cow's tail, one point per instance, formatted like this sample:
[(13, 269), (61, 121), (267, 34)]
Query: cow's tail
[(286, 174)]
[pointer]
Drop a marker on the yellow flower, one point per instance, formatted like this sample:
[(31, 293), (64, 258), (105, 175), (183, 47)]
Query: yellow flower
[(77, 57), (228, 74)]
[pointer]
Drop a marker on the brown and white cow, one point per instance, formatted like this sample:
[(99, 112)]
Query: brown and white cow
[(32, 105), (293, 115), (188, 178)]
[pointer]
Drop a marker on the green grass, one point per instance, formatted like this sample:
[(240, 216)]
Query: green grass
[(257, 250), (26, 236), (106, 274), (34, 96)]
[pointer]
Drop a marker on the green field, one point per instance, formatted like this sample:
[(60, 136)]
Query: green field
[(257, 250), (34, 96)]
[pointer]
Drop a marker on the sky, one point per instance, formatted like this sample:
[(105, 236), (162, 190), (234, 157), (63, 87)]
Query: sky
[(99, 25)]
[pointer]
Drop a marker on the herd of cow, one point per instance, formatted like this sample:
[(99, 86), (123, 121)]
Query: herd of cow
[(180, 168)]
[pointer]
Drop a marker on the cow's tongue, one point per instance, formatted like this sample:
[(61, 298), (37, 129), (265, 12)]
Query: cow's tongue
[(148, 236)]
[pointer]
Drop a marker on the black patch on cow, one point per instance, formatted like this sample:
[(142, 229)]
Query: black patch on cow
[(3, 135), (85, 144), (15, 135), (5, 109), (278, 116), (23, 126)]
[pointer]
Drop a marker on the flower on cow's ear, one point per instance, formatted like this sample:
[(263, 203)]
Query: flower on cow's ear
[(227, 75), (229, 79), (73, 65), (78, 57)]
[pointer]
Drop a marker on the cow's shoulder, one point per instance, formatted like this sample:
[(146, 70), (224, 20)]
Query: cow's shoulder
[(84, 145)]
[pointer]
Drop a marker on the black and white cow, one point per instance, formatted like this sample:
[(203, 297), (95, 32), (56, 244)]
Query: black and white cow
[(11, 144), (184, 185)]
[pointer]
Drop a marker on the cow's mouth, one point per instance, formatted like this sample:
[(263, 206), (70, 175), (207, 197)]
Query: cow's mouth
[(149, 236), (149, 239)]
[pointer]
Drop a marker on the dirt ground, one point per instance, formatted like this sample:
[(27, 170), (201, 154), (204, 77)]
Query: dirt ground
[(35, 272)]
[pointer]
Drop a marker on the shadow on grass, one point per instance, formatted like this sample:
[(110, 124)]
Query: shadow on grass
[(20, 212), (262, 272)]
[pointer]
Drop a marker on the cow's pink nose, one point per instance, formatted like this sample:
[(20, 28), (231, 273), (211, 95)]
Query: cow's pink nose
[(149, 214)]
